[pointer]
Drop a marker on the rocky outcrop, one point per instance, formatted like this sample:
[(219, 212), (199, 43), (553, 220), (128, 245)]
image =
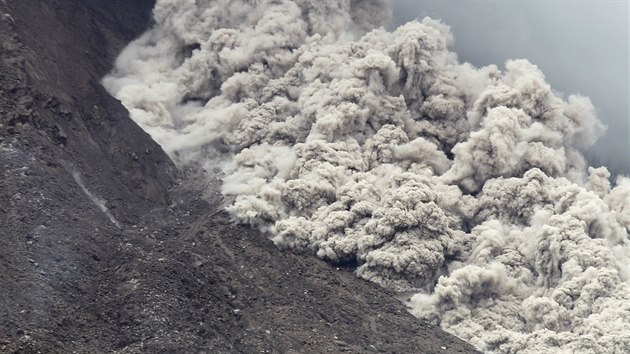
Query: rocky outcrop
[(53, 57)]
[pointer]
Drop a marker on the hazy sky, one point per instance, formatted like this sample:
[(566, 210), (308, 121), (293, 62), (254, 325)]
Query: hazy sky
[(581, 46)]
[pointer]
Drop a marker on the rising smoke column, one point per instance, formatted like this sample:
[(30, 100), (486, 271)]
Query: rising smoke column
[(375, 148)]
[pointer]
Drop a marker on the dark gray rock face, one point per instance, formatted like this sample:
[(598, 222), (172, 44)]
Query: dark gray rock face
[(104, 246)]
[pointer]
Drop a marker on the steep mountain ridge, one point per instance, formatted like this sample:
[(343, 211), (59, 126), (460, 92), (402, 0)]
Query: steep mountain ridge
[(104, 247)]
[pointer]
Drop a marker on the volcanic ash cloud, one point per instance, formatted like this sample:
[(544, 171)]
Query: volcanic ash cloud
[(464, 185)]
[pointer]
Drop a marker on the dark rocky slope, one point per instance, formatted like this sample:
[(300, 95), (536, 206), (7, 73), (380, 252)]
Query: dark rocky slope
[(144, 264)]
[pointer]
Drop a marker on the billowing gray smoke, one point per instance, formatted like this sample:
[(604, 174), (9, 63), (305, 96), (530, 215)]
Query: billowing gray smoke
[(464, 185)]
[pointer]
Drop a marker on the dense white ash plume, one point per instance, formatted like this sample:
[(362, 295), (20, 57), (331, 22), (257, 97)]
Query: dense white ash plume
[(380, 149), (548, 260)]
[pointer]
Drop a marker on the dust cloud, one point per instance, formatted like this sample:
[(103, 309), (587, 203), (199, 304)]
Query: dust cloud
[(463, 185)]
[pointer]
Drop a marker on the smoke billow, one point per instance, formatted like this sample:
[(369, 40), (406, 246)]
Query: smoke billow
[(463, 185)]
